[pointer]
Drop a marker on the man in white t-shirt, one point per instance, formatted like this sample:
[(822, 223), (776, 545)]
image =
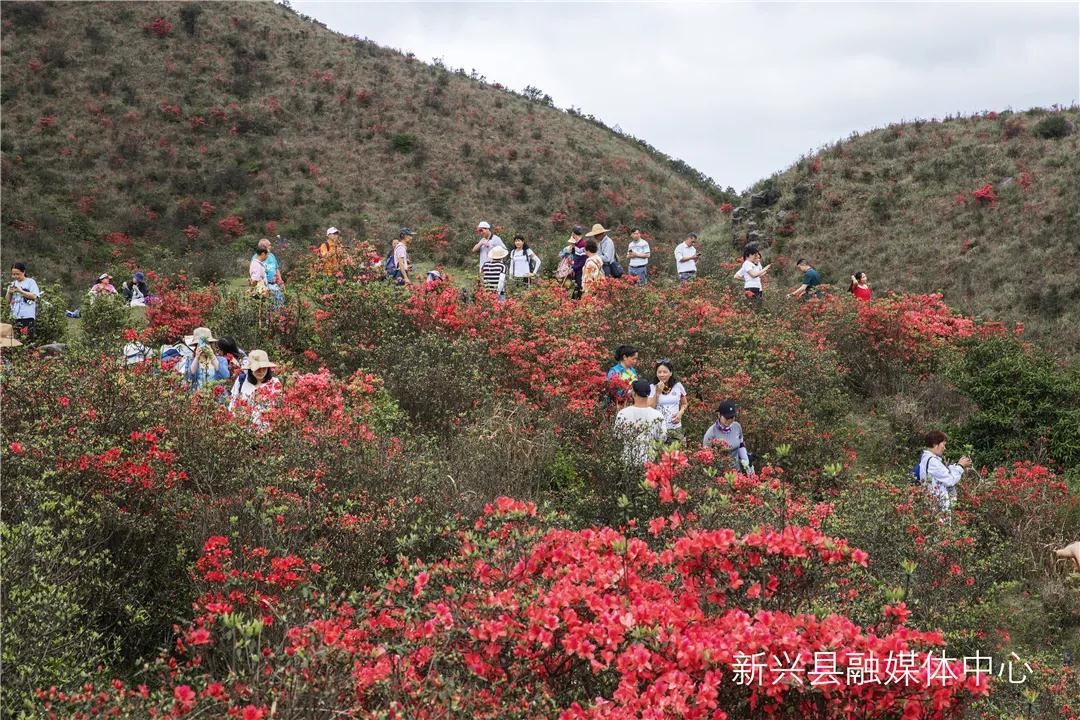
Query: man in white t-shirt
[(488, 241), (638, 253), (639, 426), (686, 257)]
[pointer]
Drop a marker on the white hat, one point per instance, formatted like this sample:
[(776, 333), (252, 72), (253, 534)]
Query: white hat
[(104, 276), (498, 253), (483, 225), (332, 230), (258, 359)]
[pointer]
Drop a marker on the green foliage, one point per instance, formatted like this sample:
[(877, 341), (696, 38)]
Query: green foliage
[(1053, 127), (104, 319), (1028, 405), (404, 143), (54, 587)]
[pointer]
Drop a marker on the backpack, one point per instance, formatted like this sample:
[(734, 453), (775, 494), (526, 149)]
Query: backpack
[(918, 476), (390, 264), (530, 256)]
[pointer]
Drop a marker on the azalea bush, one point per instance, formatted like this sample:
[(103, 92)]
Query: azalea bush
[(524, 619), (347, 543)]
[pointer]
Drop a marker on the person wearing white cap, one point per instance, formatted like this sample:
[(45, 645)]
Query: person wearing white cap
[(488, 241), (204, 365), (493, 272), (330, 251), (256, 388)]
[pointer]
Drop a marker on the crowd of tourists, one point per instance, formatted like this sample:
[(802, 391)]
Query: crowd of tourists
[(649, 410)]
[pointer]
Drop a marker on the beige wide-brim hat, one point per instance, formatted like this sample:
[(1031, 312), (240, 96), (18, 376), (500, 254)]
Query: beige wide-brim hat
[(597, 229), (258, 359), (7, 336), (200, 333), (498, 253)]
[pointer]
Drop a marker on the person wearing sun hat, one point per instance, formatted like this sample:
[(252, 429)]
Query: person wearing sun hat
[(7, 340), (493, 272), (103, 286), (256, 388), (204, 365), (136, 291), (488, 241), (605, 248)]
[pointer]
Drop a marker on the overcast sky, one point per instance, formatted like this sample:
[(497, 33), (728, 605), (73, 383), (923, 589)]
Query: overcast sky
[(740, 91)]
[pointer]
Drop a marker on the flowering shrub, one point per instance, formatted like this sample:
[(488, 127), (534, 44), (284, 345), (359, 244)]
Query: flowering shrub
[(522, 615), (158, 27), (985, 195), (179, 311), (232, 225)]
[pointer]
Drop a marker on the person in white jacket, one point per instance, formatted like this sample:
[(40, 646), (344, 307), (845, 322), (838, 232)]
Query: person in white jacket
[(935, 475)]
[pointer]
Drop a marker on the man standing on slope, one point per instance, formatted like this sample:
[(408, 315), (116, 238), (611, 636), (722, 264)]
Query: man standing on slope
[(488, 241), (638, 252), (686, 257)]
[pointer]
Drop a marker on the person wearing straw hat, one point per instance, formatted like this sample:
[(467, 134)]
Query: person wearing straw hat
[(488, 241), (493, 272), (256, 388), (605, 248), (7, 340), (204, 365)]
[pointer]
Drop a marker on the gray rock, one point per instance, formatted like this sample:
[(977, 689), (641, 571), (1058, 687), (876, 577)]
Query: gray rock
[(1006, 183), (765, 198), (739, 214), (754, 237)]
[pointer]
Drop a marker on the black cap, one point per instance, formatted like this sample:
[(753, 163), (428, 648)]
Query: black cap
[(577, 230), (642, 388), (405, 231), (726, 409)]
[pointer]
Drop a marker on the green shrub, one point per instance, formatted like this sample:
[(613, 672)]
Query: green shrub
[(1028, 405), (1051, 128), (103, 321), (54, 586), (404, 142)]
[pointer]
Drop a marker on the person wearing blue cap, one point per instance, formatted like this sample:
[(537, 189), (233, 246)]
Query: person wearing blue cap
[(727, 433), (136, 291)]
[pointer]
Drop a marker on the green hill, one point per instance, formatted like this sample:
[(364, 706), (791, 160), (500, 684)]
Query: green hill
[(898, 203), (152, 124)]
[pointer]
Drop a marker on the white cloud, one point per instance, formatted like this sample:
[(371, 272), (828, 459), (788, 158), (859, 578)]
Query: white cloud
[(739, 91)]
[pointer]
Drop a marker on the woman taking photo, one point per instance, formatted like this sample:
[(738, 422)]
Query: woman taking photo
[(256, 388), (669, 397), (860, 287), (751, 273)]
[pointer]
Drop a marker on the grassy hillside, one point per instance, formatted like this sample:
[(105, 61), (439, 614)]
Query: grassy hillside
[(898, 204), (153, 124)]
